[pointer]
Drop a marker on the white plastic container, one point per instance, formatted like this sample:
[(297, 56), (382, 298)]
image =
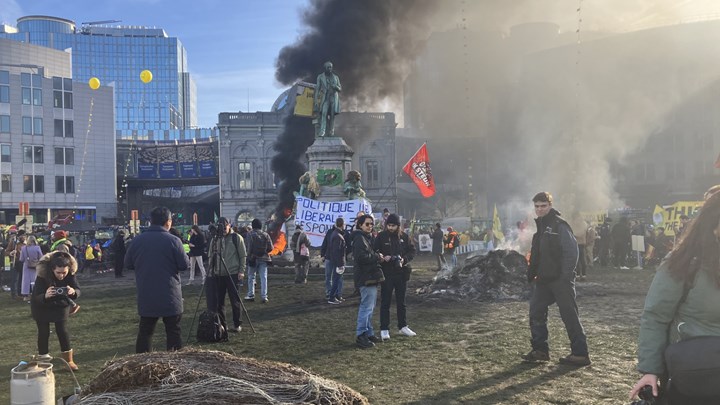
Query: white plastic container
[(32, 384)]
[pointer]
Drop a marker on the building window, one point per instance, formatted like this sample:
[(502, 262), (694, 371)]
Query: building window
[(31, 89), (57, 99), (64, 128), (32, 126), (26, 95), (372, 173), (62, 93), (4, 94), (4, 86), (37, 96), (5, 124), (5, 183), (64, 156), (33, 184), (245, 176), (5, 152), (65, 184), (32, 154), (37, 126), (68, 100)]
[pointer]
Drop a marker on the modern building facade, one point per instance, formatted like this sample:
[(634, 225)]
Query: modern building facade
[(116, 55), (246, 147), (57, 137)]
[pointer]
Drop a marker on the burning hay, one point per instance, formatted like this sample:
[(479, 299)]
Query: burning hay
[(499, 275), (210, 377)]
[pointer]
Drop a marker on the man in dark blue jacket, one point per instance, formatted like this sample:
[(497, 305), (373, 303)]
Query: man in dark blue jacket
[(553, 258), (157, 257)]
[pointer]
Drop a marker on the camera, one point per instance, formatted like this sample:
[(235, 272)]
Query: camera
[(61, 290), (396, 261), (646, 397)]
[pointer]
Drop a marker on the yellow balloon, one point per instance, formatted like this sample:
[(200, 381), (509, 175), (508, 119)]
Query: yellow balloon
[(146, 76), (94, 83)]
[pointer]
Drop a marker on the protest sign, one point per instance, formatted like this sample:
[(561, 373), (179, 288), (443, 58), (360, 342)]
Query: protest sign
[(317, 217)]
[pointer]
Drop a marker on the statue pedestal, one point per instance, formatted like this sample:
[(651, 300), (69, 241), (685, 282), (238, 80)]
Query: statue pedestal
[(329, 159)]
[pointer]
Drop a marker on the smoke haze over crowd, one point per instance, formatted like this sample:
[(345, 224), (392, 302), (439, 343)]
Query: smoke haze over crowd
[(556, 106)]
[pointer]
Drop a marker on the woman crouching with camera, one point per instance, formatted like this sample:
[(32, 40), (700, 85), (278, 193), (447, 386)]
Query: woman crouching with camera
[(52, 301)]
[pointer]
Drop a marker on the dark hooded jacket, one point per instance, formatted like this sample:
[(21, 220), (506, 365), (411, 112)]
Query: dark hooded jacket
[(554, 251), (394, 244), (157, 257), (57, 308)]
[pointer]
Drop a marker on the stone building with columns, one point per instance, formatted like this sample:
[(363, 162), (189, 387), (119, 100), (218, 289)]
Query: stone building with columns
[(247, 184)]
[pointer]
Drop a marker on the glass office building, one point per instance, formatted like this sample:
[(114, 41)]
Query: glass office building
[(116, 55)]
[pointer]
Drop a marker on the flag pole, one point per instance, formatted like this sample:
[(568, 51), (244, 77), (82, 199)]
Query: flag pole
[(398, 173), (390, 185)]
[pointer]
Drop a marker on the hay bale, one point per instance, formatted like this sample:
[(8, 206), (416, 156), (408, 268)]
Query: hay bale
[(210, 377)]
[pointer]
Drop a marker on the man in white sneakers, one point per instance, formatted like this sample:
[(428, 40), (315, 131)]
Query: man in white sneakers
[(396, 250)]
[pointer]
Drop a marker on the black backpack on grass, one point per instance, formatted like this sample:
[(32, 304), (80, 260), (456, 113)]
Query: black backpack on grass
[(210, 328)]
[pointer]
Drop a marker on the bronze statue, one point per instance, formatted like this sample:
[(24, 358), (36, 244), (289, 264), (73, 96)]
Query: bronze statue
[(326, 102), (353, 187)]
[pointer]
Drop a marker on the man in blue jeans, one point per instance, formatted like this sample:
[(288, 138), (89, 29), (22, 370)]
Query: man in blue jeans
[(259, 245), (367, 277)]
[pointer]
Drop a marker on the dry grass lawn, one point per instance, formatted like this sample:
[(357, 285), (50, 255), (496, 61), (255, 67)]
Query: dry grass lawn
[(465, 352)]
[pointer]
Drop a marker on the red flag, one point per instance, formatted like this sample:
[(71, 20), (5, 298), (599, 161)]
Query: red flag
[(418, 168)]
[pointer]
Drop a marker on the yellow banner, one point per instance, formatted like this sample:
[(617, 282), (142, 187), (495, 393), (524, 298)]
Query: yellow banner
[(497, 227), (671, 214), (304, 102)]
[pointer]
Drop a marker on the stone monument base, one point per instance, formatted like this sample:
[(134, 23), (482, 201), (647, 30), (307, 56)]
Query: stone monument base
[(330, 161)]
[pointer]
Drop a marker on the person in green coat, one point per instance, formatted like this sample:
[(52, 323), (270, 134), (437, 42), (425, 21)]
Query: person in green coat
[(697, 315)]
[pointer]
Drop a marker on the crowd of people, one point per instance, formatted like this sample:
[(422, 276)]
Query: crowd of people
[(680, 319)]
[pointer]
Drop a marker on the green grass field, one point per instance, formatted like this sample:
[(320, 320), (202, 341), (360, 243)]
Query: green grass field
[(465, 352)]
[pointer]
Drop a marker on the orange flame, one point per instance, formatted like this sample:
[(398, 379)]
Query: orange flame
[(279, 244)]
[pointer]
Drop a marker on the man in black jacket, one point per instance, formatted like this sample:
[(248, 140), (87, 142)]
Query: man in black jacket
[(553, 258), (397, 250), (367, 277)]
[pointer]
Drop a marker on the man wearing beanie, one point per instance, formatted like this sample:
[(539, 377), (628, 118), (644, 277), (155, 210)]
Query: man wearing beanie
[(397, 250), (259, 245)]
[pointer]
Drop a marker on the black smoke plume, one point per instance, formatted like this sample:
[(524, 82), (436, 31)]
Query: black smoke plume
[(298, 134), (370, 42)]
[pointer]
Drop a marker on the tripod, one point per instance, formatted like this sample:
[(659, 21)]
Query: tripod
[(218, 260)]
